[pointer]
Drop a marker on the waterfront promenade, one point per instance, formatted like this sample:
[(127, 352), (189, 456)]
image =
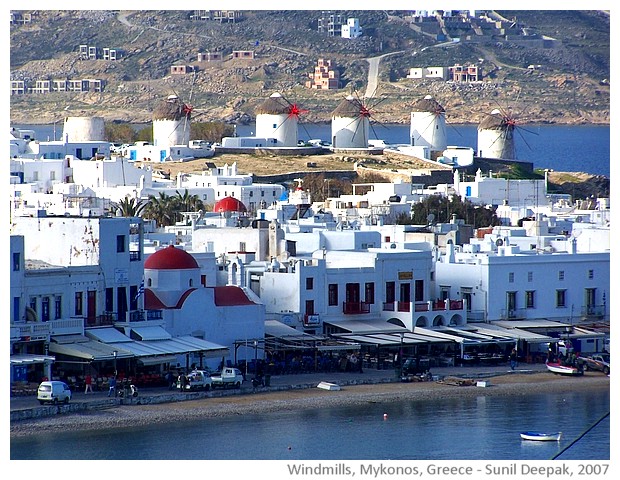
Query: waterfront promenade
[(27, 407)]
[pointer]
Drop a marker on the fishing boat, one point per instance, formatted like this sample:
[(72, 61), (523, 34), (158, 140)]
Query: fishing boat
[(563, 369), (541, 436)]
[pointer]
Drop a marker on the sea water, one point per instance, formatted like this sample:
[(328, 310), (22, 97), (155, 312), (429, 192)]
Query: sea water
[(468, 428), (581, 148)]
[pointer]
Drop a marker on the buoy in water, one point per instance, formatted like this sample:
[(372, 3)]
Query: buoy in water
[(385, 416)]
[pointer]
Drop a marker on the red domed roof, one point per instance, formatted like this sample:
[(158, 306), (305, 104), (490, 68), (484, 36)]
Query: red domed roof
[(229, 204), (170, 258)]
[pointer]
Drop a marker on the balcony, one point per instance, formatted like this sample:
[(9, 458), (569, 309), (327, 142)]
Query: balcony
[(349, 308)]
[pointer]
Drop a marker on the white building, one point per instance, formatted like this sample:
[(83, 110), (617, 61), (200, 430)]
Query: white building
[(351, 29), (498, 280), (176, 292), (428, 72)]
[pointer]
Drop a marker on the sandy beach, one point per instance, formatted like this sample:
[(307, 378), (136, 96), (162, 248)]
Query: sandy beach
[(259, 402)]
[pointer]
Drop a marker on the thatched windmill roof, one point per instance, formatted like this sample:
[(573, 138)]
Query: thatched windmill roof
[(171, 109), (274, 105), (349, 107), (495, 121), (428, 104)]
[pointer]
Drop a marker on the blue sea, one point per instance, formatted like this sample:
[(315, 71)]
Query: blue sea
[(581, 148), (476, 428)]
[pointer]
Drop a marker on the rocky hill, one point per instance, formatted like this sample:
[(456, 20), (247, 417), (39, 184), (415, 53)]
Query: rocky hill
[(567, 82)]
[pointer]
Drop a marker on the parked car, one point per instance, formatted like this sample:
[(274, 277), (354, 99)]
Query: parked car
[(596, 361), (53, 392), (228, 377), (196, 380)]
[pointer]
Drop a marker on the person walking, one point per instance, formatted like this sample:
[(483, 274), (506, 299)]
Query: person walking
[(88, 381), (513, 359), (112, 386)]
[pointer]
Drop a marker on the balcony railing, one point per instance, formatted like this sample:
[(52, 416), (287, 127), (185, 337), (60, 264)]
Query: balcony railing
[(514, 314), (355, 307), (437, 305)]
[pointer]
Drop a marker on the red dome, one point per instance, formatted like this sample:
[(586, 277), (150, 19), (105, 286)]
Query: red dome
[(170, 258), (229, 204)]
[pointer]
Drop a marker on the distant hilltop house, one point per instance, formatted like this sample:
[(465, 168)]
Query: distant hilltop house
[(456, 73), (324, 77), (182, 69), (90, 52), (210, 57), (335, 25), (222, 16), (22, 87), (20, 18)]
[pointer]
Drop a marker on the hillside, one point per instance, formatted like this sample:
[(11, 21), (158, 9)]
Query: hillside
[(571, 85)]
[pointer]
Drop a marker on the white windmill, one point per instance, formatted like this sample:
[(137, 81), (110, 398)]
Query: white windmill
[(496, 136), (277, 118), (171, 120), (350, 124), (428, 124)]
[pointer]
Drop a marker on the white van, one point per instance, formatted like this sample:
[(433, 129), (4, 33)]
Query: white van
[(53, 392)]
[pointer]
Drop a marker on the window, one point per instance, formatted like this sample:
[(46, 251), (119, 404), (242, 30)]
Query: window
[(242, 247), (45, 309), (561, 275), (309, 283), (560, 298), (390, 292), (419, 290), (590, 274), (332, 294), (511, 302), (120, 243), (369, 293), (57, 307), (530, 276), (309, 307), (262, 193), (511, 277), (16, 261), (529, 299), (78, 303)]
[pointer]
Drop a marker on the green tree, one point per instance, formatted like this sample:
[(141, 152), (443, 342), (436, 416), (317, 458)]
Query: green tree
[(161, 209), (186, 203), (129, 207), (119, 133), (144, 135), (439, 209)]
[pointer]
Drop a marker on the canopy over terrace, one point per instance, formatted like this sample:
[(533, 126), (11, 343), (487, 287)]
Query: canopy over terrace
[(280, 337), (384, 337)]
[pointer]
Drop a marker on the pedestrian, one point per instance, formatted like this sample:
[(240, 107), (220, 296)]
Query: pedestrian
[(112, 386), (88, 381), (513, 359), (170, 380)]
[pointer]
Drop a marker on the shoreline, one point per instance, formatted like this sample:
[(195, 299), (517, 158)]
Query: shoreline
[(266, 402)]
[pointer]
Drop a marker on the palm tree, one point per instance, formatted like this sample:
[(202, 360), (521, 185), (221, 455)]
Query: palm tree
[(129, 207), (161, 209), (187, 203)]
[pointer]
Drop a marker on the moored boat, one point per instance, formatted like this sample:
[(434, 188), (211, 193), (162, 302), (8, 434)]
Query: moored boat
[(541, 436)]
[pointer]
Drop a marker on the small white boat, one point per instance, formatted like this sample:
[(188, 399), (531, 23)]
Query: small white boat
[(328, 386), (542, 436), (563, 369)]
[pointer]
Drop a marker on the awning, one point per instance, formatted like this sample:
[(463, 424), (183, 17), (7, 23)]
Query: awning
[(151, 333), (146, 361), (89, 350), (444, 336), (278, 335), (519, 334), (106, 335), (356, 326), (29, 359)]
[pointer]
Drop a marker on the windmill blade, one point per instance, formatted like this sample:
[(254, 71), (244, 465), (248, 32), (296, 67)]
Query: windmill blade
[(523, 138)]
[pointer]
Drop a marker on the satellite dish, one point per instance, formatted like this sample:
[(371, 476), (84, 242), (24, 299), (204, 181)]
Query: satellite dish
[(499, 242)]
